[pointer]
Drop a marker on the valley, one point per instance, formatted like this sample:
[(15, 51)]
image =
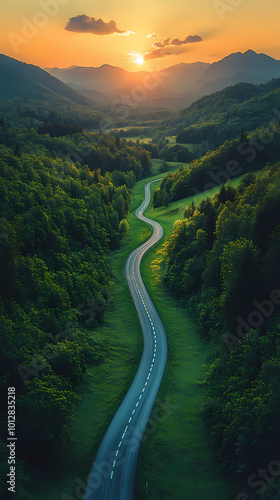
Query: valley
[(78, 146)]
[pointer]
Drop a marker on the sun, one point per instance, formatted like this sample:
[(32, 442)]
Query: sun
[(136, 58), (139, 59)]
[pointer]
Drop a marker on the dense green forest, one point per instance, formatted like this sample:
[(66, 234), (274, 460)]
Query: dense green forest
[(34, 113), (223, 263), (63, 203), (247, 153)]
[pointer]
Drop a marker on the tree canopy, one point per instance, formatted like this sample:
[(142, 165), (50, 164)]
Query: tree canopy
[(222, 261)]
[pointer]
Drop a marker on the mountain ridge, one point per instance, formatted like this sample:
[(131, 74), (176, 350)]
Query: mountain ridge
[(182, 82), (19, 79), (175, 87)]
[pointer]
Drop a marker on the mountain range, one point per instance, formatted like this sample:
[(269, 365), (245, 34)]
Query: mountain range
[(175, 87)]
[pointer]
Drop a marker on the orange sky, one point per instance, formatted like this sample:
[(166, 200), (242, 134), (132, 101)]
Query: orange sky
[(34, 31)]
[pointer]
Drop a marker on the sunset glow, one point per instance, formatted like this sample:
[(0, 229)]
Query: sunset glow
[(65, 33)]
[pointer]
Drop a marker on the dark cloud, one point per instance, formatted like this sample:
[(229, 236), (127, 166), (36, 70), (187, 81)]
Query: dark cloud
[(159, 49), (86, 24), (160, 45), (158, 54), (177, 42), (188, 39)]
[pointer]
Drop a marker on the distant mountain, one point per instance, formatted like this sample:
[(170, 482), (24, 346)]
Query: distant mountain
[(111, 82), (27, 81), (249, 63), (94, 96), (174, 87), (104, 79), (182, 76), (222, 83)]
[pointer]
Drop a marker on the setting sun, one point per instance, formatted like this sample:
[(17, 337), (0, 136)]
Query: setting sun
[(139, 59)]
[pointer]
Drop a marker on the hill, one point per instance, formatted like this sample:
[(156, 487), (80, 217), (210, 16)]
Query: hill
[(222, 115), (21, 80), (247, 153)]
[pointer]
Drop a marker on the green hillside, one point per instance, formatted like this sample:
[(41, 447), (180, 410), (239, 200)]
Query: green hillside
[(247, 153), (21, 80), (221, 116)]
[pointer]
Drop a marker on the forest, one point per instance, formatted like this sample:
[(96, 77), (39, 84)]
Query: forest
[(220, 116), (246, 153), (222, 262), (64, 200)]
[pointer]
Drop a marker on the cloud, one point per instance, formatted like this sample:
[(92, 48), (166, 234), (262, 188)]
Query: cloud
[(177, 42), (158, 54), (188, 39), (86, 24), (159, 49), (151, 35), (160, 45)]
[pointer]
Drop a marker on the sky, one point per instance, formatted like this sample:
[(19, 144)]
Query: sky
[(148, 35)]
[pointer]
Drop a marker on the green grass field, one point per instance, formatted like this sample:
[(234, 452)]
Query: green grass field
[(146, 140), (176, 459), (141, 139), (172, 167)]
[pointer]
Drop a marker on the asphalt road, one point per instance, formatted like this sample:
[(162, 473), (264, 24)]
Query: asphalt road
[(113, 473)]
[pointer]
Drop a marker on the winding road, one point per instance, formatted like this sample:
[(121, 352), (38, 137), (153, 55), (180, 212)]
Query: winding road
[(113, 473)]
